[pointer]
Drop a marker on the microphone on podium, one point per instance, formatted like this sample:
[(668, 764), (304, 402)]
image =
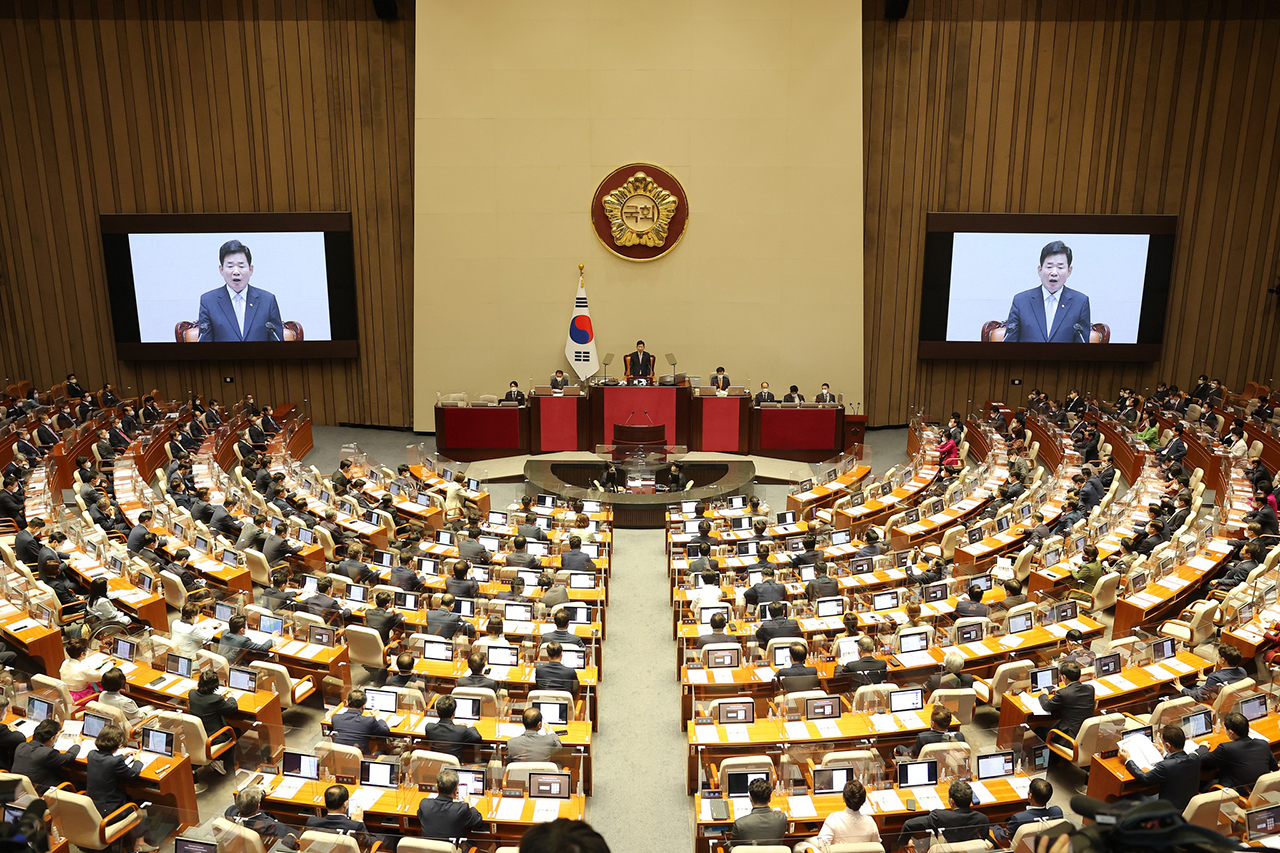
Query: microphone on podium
[(646, 414), (629, 417), (1079, 332)]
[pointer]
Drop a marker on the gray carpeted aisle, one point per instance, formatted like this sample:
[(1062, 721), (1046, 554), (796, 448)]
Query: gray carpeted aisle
[(640, 752)]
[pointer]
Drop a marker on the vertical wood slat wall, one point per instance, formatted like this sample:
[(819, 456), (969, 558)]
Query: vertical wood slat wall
[(1088, 106), (150, 106)]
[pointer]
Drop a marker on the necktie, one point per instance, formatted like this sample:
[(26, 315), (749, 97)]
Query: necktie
[(1049, 307), (240, 312)]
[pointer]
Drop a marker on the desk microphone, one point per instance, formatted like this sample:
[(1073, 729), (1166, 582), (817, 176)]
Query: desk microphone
[(1079, 332), (646, 414), (271, 327), (204, 330), (629, 417)]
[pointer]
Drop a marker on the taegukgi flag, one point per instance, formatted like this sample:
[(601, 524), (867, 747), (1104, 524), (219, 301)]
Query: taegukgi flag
[(580, 344)]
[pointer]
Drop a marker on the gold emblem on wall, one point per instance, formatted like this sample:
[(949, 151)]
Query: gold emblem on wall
[(639, 212)]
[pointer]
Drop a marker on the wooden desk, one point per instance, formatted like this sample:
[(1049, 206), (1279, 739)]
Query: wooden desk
[(42, 644), (826, 494), (875, 511), (518, 680)]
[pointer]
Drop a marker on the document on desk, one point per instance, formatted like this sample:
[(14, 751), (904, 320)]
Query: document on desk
[(973, 650), (1021, 784), (1178, 666), (288, 786), (509, 730), (886, 800), (1101, 687), (1142, 751), (1158, 672), (797, 729), (499, 673), (149, 758), (365, 798), (913, 659), (737, 733), (722, 675), (741, 806), (545, 810), (1201, 563), (1032, 704), (1012, 641), (896, 574), (910, 720), (706, 734), (22, 625), (1057, 629), (697, 676), (292, 648), (801, 806), (1173, 582), (1145, 599), (765, 673), (1121, 683), (828, 728), (884, 723), (984, 796), (927, 799)]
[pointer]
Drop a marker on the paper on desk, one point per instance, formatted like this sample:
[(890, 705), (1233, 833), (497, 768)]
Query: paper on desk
[(64, 742), (1012, 641), (72, 728), (896, 574), (1032, 703), (1178, 666), (984, 796), (545, 810), (723, 675), (1076, 624), (883, 722), (1057, 629), (22, 625), (1145, 599), (704, 810), (736, 733), (1142, 751), (697, 676), (1158, 672), (27, 727), (828, 728), (765, 672), (509, 730), (927, 799), (1201, 563), (797, 729), (741, 806), (288, 786), (886, 800), (364, 798), (1101, 687), (292, 648), (911, 659), (1021, 784), (972, 650), (149, 758), (801, 806), (1121, 683)]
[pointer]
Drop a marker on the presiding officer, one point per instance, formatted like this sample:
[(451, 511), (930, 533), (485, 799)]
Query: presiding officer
[(1052, 312), (236, 311)]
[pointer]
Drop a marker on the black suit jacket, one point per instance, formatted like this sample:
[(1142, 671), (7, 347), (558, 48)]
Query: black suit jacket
[(765, 396), (868, 671), (640, 364), (26, 548), (781, 627), (720, 383), (42, 764), (554, 675), (448, 737), (384, 622), (447, 820), (514, 397), (342, 825), (210, 707), (1072, 705), (10, 740), (953, 825), (351, 728), (105, 779), (12, 507), (1239, 762), (225, 523), (1177, 777)]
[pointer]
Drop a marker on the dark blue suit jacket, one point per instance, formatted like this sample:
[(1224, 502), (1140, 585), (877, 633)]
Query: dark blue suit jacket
[(260, 308), (1027, 323)]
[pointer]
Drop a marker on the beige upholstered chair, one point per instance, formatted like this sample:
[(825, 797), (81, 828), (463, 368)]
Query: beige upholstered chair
[(84, 826)]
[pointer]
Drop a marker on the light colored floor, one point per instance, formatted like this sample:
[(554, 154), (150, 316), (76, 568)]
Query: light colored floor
[(640, 751)]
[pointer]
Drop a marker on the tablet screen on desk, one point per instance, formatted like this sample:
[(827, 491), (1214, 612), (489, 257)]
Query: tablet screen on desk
[(736, 783), (497, 655), (93, 724), (437, 649), (381, 700), (490, 543), (993, 765), (305, 536), (861, 566), (913, 641), (230, 558), (1138, 582), (158, 741), (738, 502), (39, 709), (1198, 724), (1253, 707), (1021, 622), (914, 774), (517, 612), (124, 649), (831, 780), (935, 592), (270, 625), (841, 537), (554, 713), (906, 700), (735, 712), (1106, 665), (969, 633), (1066, 611), (378, 774), (553, 786), (788, 517), (1163, 648), (178, 665), (742, 522), (691, 526), (444, 537), (573, 657), (192, 845), (499, 518), (884, 600), (470, 782), (546, 501), (356, 592), (591, 549), (1003, 522), (201, 544), (747, 549), (582, 580), (467, 708), (538, 549), (822, 708), (709, 610), (407, 600), (385, 558), (1045, 678), (724, 658), (833, 606), (239, 678)]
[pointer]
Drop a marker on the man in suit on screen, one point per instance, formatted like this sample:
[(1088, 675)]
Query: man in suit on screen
[(236, 311), (1052, 312)]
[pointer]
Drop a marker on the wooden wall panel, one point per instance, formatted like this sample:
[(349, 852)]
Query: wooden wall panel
[(1075, 106), (150, 106)]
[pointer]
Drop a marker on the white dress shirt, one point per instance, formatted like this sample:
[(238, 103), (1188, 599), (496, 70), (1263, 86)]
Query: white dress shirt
[(849, 827), (1051, 303), (238, 302)]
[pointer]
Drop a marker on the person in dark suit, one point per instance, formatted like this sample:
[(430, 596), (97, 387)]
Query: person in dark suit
[(39, 761), (443, 817), (531, 531), (71, 389), (1052, 312), (45, 435), (1263, 512), (1039, 792), (574, 560), (721, 380), (821, 586), (959, 823), (443, 622), (952, 677), (402, 574), (514, 395), (223, 521), (247, 811), (1251, 556), (1229, 671), (470, 549), (799, 652), (1155, 537), (234, 645), (810, 555), (1240, 759), (777, 625), (717, 635), (476, 678), (335, 818), (10, 739), (867, 668), (561, 634), (972, 606), (1177, 775), (253, 533), (559, 381), (939, 731), (793, 395), (384, 618), (1175, 449), (276, 548), (764, 395), (237, 311), (873, 546), (107, 775), (762, 824), (1264, 410), (1073, 703), (352, 727), (278, 596), (117, 437), (447, 736), (825, 395), (12, 506), (26, 446), (639, 364), (324, 605), (765, 592), (206, 703), (553, 674)]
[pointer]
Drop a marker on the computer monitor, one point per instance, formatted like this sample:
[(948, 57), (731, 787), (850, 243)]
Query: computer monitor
[(41, 614), (545, 501), (444, 537), (741, 522), (884, 600), (582, 580), (822, 708), (1044, 678), (1253, 707), (468, 708), (553, 786), (1025, 511), (735, 712), (464, 607), (407, 600), (305, 536), (223, 611), (691, 525), (1138, 582), (194, 845), (1051, 556), (553, 713), (724, 658), (1197, 724), (1039, 759), (913, 641), (380, 700), (994, 765), (499, 655), (936, 592), (498, 518), (974, 534), (857, 499), (1164, 648), (1106, 665), (969, 633), (902, 559), (736, 782), (747, 549), (437, 649), (178, 665), (842, 537), (574, 657), (490, 543), (737, 502), (592, 506), (310, 583), (543, 523), (230, 557), (356, 592), (1262, 822), (1020, 622), (470, 782), (159, 741), (807, 573), (861, 565), (201, 544), (383, 558), (1066, 611), (983, 582), (709, 610), (473, 485), (911, 516), (911, 699), (833, 606), (426, 565), (271, 625), (516, 611), (379, 774), (1003, 522), (788, 517), (804, 485), (242, 678), (94, 723), (831, 780), (915, 774), (124, 649), (591, 549), (146, 580), (39, 709)]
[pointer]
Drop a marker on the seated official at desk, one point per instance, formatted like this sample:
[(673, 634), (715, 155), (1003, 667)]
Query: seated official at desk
[(443, 817), (849, 825), (767, 591), (459, 583), (959, 823), (1240, 759), (777, 625), (821, 586), (384, 617), (561, 634), (1072, 704), (972, 606), (404, 676), (476, 665), (867, 669), (1039, 792), (1013, 597), (469, 547), (493, 635), (1090, 570), (536, 743), (702, 559), (810, 555), (324, 605), (762, 824), (574, 560), (799, 652), (447, 736), (40, 761), (514, 394), (106, 777), (520, 558), (443, 622), (247, 811), (1077, 650), (210, 706), (353, 727), (939, 731), (335, 817), (708, 593), (935, 571), (1177, 775), (1228, 671), (952, 676), (873, 546), (717, 635), (553, 674)]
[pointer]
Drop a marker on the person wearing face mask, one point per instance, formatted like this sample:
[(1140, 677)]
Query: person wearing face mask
[(515, 395)]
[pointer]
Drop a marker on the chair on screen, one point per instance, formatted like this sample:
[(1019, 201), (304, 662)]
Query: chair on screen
[(187, 332), (993, 332)]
